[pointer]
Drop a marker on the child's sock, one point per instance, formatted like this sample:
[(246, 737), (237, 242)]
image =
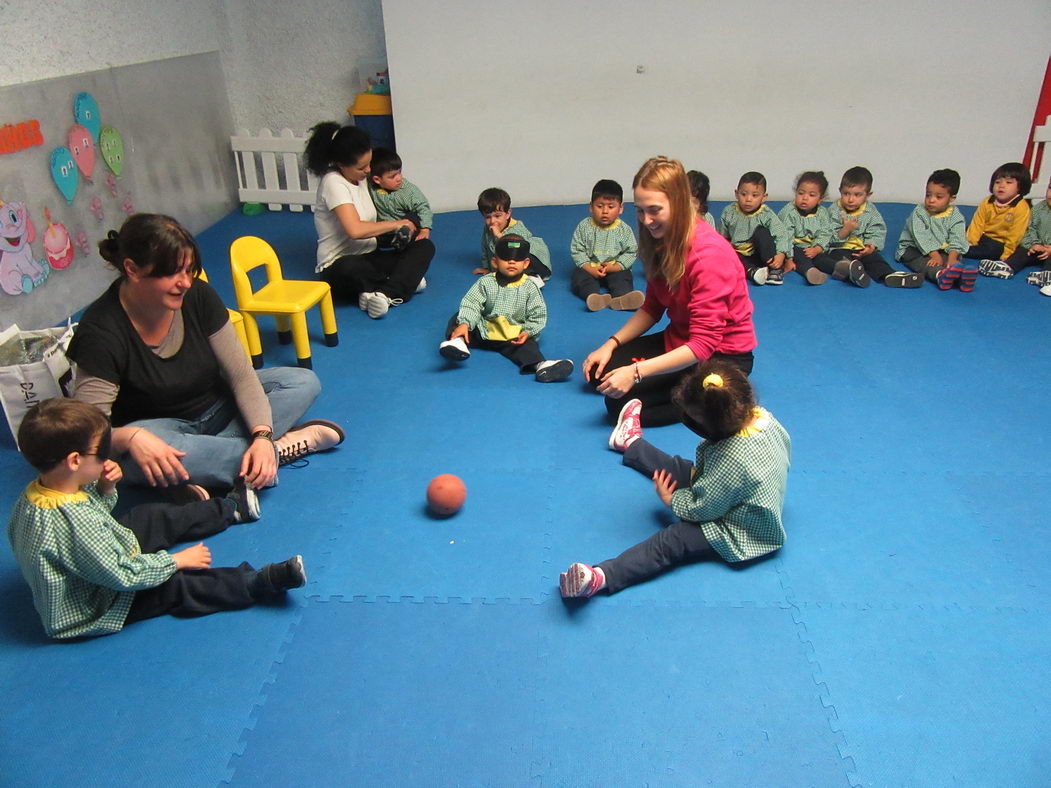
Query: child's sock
[(581, 580), (969, 275)]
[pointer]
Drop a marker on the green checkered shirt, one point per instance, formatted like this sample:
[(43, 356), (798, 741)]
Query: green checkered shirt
[(946, 231), (82, 565), (499, 312), (594, 244), (812, 230), (1039, 230), (407, 202), (738, 490), (737, 227), (871, 227), (537, 247)]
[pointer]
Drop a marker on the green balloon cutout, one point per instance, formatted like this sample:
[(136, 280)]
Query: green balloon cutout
[(111, 146)]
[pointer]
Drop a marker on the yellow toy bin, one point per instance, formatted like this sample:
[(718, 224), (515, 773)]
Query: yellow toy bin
[(372, 114)]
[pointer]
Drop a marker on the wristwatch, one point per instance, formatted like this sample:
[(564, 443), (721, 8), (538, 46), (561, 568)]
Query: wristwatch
[(265, 434)]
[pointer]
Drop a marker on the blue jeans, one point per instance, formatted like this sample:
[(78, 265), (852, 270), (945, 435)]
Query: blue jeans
[(215, 442)]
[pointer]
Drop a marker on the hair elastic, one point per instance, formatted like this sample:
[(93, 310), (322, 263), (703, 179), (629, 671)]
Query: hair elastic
[(112, 235), (335, 133), (712, 380)]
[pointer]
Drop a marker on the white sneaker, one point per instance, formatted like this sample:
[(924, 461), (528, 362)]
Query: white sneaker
[(995, 268), (537, 280), (760, 275), (1045, 290), (553, 371), (454, 349), (363, 301), (422, 285), (379, 304)]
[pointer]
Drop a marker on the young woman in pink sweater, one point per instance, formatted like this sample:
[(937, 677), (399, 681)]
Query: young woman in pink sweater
[(693, 274)]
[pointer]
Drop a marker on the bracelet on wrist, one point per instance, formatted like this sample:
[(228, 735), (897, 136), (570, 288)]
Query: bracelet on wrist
[(638, 375), (264, 434), (615, 340)]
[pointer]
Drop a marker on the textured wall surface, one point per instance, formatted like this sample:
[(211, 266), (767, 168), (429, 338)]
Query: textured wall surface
[(285, 64)]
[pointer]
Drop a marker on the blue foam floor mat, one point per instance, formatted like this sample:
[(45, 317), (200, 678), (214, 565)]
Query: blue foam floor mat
[(897, 639)]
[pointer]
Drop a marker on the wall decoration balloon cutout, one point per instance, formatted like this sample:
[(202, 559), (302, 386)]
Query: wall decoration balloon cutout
[(111, 146), (86, 113), (82, 145), (64, 172), (57, 245), (19, 272)]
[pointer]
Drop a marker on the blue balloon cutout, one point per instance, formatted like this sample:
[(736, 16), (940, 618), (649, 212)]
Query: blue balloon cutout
[(86, 113), (65, 173)]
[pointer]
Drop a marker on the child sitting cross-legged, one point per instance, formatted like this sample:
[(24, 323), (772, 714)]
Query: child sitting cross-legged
[(761, 239), (89, 573), (505, 311), (935, 236), (603, 249), (728, 503)]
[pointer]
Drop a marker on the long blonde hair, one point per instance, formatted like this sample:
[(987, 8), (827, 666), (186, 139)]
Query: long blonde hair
[(667, 257)]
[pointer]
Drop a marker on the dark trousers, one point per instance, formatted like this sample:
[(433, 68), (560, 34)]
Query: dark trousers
[(1020, 259), (537, 268), (393, 273), (763, 249), (655, 391), (525, 356), (677, 544), (822, 262), (986, 249), (618, 283), (875, 265), (189, 592), (916, 261)]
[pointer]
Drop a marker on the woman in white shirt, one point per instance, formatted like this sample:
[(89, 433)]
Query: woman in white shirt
[(348, 256)]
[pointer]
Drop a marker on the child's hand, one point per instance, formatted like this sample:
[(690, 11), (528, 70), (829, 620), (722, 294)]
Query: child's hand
[(610, 266), (480, 271), (594, 270), (111, 474), (463, 331), (1040, 251), (425, 232), (867, 249), (812, 251), (777, 261), (522, 337), (850, 224), (935, 260), (790, 265), (196, 557), (665, 485)]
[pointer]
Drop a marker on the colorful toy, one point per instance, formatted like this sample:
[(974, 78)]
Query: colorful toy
[(83, 147), (111, 146), (57, 245), (86, 113), (446, 494), (19, 272), (64, 173)]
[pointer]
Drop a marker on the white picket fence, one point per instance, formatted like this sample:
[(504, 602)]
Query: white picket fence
[(271, 169)]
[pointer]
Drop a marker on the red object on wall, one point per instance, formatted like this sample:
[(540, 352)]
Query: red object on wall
[(1043, 109)]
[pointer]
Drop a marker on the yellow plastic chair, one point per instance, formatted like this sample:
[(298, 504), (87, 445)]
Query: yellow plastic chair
[(286, 299), (236, 320)]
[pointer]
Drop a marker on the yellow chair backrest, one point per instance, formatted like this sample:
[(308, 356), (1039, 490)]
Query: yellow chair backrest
[(247, 253)]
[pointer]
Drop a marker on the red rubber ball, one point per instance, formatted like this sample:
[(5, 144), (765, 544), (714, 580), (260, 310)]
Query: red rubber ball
[(446, 494)]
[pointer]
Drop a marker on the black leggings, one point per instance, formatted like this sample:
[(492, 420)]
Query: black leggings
[(396, 274), (655, 391)]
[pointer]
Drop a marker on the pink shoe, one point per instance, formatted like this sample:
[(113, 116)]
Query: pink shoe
[(629, 426), (580, 580)]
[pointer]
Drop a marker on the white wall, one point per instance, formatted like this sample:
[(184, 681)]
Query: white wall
[(285, 63), (543, 98)]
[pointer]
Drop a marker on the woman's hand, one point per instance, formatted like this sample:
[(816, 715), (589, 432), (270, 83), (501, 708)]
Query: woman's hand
[(160, 463), (595, 364), (665, 485), (259, 464), (618, 382)]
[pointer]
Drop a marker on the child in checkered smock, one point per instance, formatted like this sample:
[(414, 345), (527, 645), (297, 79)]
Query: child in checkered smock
[(728, 503)]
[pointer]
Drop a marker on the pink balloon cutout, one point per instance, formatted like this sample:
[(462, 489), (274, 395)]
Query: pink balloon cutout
[(82, 147)]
